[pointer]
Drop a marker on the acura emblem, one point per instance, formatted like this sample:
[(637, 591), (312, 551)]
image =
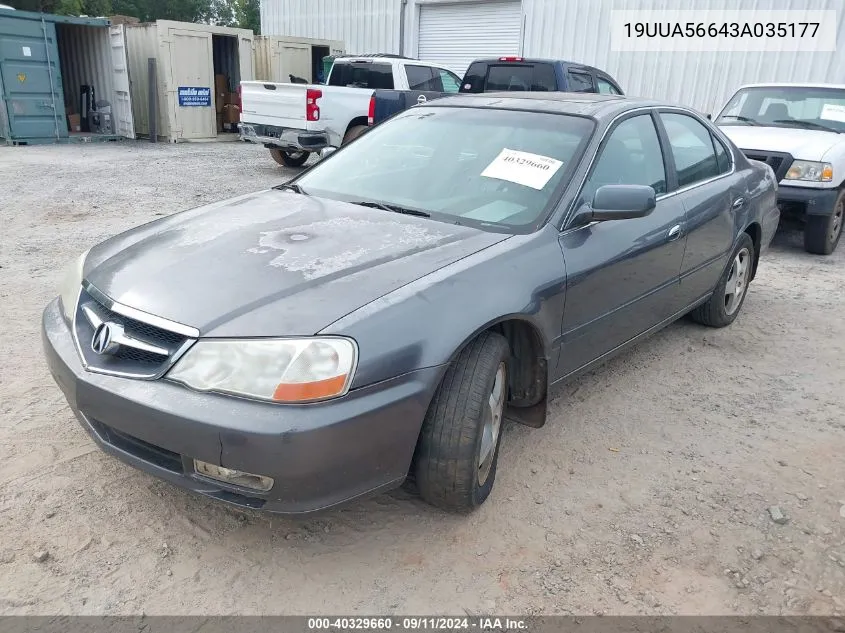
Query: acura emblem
[(421, 99), (106, 337)]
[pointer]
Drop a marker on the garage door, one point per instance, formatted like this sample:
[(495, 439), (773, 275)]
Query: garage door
[(456, 34)]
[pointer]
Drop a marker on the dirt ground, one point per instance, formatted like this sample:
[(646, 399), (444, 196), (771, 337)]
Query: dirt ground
[(647, 492)]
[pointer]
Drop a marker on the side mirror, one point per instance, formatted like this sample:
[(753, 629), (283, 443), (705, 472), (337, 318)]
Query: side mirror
[(326, 152), (622, 202)]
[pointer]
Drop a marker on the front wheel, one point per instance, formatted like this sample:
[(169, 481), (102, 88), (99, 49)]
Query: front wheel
[(822, 232), (724, 304), (458, 448), (289, 159)]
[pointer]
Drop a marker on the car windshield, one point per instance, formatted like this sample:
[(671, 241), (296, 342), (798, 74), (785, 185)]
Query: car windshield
[(787, 106), (482, 167)]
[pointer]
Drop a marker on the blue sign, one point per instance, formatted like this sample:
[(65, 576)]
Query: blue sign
[(193, 97)]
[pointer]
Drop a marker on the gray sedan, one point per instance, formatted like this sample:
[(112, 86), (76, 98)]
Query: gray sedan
[(377, 318)]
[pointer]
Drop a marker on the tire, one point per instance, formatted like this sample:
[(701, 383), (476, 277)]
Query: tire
[(352, 133), (458, 448), (721, 308), (289, 159), (822, 232)]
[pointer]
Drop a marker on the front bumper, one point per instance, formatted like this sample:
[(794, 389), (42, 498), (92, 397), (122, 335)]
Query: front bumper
[(806, 200), (283, 138), (318, 455)]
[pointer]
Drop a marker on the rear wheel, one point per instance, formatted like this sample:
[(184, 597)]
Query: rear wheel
[(289, 159), (455, 461), (822, 232), (724, 304), (354, 132)]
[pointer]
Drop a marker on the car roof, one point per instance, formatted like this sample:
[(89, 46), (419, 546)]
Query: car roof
[(579, 103), (793, 85), (536, 60)]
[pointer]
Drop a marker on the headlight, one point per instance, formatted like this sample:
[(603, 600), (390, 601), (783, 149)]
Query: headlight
[(810, 170), (276, 370), (71, 285)]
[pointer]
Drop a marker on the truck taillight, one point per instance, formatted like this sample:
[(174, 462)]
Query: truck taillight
[(312, 109), (510, 59), (371, 112)]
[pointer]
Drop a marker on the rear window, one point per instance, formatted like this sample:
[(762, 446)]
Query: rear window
[(362, 75), (510, 77)]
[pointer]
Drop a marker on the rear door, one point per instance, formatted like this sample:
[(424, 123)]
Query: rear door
[(191, 95), (124, 124), (709, 187), (30, 78)]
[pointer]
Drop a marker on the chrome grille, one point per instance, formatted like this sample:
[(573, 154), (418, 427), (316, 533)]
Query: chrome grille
[(144, 351)]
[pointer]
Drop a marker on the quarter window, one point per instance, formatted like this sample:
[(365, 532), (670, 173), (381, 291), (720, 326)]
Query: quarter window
[(723, 160), (631, 155), (449, 81), (605, 87), (692, 148)]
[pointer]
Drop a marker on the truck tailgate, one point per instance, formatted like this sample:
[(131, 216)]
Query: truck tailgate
[(282, 105)]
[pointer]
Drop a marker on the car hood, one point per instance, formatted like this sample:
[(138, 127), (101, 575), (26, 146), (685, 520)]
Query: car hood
[(801, 144), (273, 263)]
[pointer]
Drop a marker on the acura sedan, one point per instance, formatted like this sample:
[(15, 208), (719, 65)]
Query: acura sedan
[(379, 316)]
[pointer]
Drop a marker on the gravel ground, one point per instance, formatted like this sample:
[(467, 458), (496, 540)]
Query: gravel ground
[(647, 492)]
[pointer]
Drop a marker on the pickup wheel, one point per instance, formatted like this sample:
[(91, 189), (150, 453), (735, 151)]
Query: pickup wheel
[(455, 461), (289, 159), (352, 133), (822, 232), (724, 304)]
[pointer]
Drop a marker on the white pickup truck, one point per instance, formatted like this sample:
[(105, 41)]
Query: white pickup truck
[(799, 130), (293, 120)]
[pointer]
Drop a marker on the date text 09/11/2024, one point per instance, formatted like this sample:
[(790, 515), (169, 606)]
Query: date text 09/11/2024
[(416, 624)]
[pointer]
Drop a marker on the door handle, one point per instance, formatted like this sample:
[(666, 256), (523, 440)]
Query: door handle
[(738, 203), (675, 232)]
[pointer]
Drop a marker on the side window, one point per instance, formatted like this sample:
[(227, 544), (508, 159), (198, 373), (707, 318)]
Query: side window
[(692, 147), (474, 78), (723, 159), (449, 81), (580, 82), (631, 155), (419, 77), (605, 87)]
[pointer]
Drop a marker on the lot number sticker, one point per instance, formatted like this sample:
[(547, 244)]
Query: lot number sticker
[(833, 112), (523, 168)]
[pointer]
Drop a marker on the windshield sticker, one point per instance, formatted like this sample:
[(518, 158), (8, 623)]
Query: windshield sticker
[(523, 168), (495, 211), (833, 112)]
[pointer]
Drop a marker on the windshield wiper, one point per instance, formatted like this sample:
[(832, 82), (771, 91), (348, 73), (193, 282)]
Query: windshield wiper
[(807, 124), (293, 187), (392, 208), (738, 117)]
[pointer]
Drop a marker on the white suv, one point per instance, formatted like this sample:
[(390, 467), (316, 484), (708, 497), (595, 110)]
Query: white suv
[(799, 130)]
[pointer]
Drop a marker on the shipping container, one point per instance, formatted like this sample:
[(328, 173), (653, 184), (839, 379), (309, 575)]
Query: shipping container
[(454, 32), (278, 59), (62, 78), (198, 68)]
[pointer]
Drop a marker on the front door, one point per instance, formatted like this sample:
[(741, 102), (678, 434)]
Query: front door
[(192, 92), (30, 78), (622, 275)]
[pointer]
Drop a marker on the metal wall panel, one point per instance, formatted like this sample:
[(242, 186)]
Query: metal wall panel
[(579, 30), (85, 57), (141, 45), (364, 26)]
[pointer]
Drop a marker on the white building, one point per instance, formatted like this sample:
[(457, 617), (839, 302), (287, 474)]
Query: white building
[(453, 32)]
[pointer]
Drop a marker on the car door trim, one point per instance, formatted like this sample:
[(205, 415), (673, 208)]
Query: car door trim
[(651, 110)]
